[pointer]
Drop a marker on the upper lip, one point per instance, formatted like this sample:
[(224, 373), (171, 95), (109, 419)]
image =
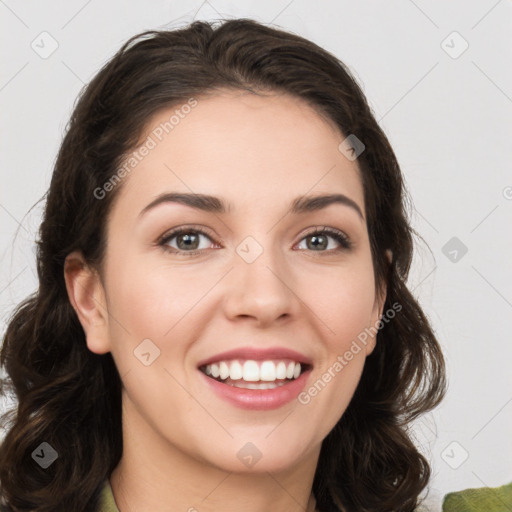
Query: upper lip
[(257, 354)]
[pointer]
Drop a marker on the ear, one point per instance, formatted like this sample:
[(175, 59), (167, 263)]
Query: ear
[(87, 296)]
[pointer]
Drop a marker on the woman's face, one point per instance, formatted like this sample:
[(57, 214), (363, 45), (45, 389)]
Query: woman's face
[(253, 293)]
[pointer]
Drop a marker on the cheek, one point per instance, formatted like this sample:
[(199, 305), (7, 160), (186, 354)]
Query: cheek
[(329, 393), (343, 302), (150, 299)]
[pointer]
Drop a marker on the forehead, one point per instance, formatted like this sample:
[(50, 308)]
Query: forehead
[(244, 147)]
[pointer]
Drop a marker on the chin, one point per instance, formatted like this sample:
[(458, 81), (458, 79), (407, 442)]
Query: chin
[(259, 454)]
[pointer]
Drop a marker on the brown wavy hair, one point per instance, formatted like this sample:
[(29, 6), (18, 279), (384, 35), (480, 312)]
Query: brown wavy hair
[(70, 397)]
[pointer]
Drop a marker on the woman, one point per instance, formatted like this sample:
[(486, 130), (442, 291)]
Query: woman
[(222, 320)]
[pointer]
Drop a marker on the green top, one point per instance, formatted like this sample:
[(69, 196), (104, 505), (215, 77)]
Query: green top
[(107, 502), (485, 499)]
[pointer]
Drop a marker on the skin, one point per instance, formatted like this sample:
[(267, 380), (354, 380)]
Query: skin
[(180, 439)]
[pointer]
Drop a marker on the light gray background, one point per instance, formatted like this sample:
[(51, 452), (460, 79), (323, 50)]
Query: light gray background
[(447, 115)]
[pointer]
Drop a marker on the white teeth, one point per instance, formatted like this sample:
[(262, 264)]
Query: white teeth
[(235, 371), (251, 371), (256, 385), (268, 371), (281, 371), (254, 371), (223, 370), (290, 370)]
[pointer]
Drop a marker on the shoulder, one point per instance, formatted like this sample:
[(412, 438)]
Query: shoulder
[(488, 499), (107, 502)]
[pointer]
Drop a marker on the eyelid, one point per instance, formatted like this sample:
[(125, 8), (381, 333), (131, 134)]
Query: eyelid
[(342, 238), (171, 233)]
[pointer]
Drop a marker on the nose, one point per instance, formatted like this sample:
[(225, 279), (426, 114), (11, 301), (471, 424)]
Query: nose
[(262, 290)]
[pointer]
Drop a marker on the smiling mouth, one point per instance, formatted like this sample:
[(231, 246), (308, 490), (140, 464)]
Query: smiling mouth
[(251, 374)]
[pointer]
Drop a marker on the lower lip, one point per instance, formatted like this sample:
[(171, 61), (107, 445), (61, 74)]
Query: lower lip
[(258, 399)]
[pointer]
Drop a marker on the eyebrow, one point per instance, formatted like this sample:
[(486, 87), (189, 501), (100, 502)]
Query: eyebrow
[(213, 204)]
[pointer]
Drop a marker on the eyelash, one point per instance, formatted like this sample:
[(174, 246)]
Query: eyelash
[(339, 236)]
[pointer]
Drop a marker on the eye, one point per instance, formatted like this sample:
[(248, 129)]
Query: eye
[(187, 240), (320, 240)]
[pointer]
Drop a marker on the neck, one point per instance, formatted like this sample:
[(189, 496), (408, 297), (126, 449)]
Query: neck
[(228, 494), (157, 475)]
